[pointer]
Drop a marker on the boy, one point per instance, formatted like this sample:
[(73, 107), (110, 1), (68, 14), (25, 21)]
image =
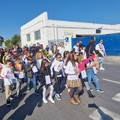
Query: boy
[(8, 77)]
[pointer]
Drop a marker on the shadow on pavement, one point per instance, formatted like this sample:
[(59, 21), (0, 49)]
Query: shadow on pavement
[(27, 108), (102, 114)]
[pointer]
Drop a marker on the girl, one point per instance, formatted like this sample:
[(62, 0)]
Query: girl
[(81, 66), (92, 74), (46, 80), (73, 81), (38, 58), (57, 67)]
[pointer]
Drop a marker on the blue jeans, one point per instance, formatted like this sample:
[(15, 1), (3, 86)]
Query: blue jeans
[(33, 80), (91, 75)]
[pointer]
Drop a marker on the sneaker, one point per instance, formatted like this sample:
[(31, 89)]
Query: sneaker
[(1, 91), (44, 100), (58, 97), (91, 89), (99, 90), (11, 98), (8, 103), (51, 100), (101, 68), (66, 86)]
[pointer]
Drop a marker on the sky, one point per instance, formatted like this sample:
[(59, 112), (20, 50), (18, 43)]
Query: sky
[(15, 13)]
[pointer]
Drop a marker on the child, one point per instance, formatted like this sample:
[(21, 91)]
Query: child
[(8, 77), (19, 74), (92, 74), (46, 80), (31, 76), (81, 66), (1, 80), (57, 67), (73, 81)]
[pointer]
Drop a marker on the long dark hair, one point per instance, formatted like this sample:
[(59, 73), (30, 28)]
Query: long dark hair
[(42, 68), (92, 41)]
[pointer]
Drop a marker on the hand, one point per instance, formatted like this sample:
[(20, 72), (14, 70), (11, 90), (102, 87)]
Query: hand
[(78, 71), (75, 72)]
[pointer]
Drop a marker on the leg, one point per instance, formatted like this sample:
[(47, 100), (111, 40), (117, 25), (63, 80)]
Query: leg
[(51, 93), (1, 86), (101, 59), (34, 83), (8, 93), (18, 86), (88, 71), (28, 83), (57, 85), (44, 96), (71, 94), (88, 89), (94, 77), (77, 93)]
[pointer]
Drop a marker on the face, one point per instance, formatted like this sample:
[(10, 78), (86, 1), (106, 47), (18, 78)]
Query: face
[(9, 64), (77, 43), (61, 44), (101, 41), (75, 56), (40, 55), (59, 57)]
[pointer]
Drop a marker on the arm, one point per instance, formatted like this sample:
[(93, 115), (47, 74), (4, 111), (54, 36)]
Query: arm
[(51, 68), (88, 59)]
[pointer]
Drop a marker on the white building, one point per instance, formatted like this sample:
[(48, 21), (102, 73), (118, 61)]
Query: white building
[(46, 31)]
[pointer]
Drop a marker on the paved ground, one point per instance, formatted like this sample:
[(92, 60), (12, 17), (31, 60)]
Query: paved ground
[(104, 106)]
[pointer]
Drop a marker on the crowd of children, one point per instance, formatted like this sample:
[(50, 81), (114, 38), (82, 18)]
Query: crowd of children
[(57, 70)]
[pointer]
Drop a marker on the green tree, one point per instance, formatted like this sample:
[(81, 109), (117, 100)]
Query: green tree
[(1, 40), (8, 43), (16, 39)]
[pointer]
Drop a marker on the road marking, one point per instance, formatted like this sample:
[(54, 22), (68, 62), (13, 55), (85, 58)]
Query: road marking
[(111, 81), (117, 97), (104, 114)]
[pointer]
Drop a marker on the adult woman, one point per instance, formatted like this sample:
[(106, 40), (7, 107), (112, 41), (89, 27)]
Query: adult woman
[(90, 49)]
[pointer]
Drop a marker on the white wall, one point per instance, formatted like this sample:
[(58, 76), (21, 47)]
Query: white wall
[(36, 24), (55, 30)]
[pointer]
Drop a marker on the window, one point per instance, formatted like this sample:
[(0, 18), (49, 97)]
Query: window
[(28, 37), (98, 30), (37, 35)]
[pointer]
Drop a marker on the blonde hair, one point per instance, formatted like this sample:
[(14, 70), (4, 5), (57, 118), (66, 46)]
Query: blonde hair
[(37, 55), (80, 58)]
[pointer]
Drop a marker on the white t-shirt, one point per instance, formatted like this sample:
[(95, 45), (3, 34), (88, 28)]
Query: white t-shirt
[(100, 48), (76, 49), (7, 75), (39, 63), (70, 71), (57, 66), (61, 50)]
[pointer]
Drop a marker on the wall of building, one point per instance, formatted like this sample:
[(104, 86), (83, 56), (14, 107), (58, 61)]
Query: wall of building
[(54, 31), (38, 23)]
